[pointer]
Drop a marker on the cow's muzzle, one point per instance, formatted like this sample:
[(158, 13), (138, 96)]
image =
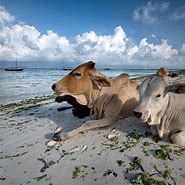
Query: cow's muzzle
[(53, 87), (137, 114)]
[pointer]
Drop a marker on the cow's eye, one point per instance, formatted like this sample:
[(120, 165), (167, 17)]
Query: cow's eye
[(76, 74), (159, 95)]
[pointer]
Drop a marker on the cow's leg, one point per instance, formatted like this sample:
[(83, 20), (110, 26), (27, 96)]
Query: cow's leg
[(179, 138), (91, 124)]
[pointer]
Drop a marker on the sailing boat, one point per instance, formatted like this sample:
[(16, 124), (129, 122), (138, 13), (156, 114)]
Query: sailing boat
[(14, 68)]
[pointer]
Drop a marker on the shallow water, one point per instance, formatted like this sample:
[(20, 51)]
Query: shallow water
[(16, 86)]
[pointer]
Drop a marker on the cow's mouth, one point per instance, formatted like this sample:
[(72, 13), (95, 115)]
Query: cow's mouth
[(146, 119), (149, 120), (60, 99), (62, 93), (79, 97)]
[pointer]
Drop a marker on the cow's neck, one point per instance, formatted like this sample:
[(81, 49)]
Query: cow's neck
[(94, 94), (161, 117), (174, 109)]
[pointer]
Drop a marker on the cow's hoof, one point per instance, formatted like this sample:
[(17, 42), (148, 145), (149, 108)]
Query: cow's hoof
[(51, 143), (56, 137)]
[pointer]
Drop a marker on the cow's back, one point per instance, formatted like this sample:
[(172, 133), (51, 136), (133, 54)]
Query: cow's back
[(121, 97)]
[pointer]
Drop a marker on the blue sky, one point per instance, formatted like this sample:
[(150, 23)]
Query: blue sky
[(118, 32)]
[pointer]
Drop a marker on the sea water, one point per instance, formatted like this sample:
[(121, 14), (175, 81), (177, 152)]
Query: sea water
[(16, 86)]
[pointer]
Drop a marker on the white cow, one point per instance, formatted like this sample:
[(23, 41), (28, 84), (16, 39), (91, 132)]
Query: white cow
[(163, 106)]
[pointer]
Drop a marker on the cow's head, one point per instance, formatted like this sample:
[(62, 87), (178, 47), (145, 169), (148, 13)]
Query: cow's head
[(153, 97), (80, 82)]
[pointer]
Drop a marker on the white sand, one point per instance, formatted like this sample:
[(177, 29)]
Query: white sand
[(23, 139)]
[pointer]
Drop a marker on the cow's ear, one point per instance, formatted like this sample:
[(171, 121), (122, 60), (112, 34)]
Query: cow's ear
[(91, 64), (173, 75), (137, 87), (162, 72), (177, 88), (101, 81)]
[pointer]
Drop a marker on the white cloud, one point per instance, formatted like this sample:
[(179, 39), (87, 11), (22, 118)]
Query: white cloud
[(163, 51), (91, 44), (148, 13), (154, 36), (178, 14), (183, 49), (26, 43), (5, 16)]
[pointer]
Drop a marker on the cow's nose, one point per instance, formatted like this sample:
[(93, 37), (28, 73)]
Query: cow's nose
[(137, 114), (53, 87)]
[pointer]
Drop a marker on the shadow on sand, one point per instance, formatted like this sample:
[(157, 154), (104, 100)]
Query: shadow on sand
[(68, 122)]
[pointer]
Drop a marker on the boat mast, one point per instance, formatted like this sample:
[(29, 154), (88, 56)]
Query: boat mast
[(16, 63)]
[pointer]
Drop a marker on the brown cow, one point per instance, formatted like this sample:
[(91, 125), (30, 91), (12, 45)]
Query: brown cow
[(109, 99)]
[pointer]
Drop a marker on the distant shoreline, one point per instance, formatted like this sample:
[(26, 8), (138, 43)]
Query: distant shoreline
[(102, 69)]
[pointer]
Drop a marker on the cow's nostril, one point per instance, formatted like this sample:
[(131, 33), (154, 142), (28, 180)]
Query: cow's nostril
[(53, 87), (137, 114)]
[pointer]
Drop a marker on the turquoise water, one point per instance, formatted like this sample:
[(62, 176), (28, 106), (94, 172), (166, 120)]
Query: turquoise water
[(16, 86)]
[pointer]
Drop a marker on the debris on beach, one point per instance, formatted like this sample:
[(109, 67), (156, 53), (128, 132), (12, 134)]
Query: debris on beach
[(13, 156), (46, 164), (145, 178), (41, 177), (58, 130), (77, 149), (112, 136), (109, 172), (74, 149), (82, 171), (2, 178), (84, 148), (135, 137), (120, 163), (27, 104), (166, 152), (135, 165), (161, 154)]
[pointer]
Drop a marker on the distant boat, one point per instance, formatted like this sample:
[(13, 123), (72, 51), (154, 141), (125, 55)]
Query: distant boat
[(67, 69), (107, 69), (14, 68)]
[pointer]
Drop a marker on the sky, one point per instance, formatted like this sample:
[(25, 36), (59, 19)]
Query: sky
[(115, 33)]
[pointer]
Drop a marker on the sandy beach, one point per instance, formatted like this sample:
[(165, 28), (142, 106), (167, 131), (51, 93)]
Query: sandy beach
[(125, 153)]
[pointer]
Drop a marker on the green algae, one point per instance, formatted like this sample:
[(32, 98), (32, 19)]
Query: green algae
[(12, 156), (109, 172), (161, 154), (26, 104), (146, 179), (76, 173), (41, 177), (120, 162), (136, 164)]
